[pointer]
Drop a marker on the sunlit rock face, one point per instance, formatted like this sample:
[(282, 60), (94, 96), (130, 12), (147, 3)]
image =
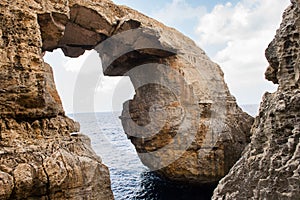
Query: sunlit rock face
[(269, 167), (183, 121), (39, 158)]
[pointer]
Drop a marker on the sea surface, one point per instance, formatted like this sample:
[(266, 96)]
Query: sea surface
[(130, 179)]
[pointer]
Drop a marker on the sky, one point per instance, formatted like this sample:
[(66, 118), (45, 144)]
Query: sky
[(233, 33)]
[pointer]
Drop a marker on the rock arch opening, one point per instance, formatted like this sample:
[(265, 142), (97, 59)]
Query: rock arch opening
[(110, 91), (201, 131)]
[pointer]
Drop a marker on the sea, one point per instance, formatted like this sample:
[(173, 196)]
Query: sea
[(130, 179)]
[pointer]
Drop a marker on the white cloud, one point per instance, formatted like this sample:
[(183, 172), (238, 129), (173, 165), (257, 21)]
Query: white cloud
[(107, 84), (248, 18), (239, 34), (112, 92), (180, 15), (76, 64), (178, 11)]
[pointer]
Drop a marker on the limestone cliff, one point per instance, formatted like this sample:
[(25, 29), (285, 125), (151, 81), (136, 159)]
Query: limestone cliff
[(39, 159), (269, 167), (183, 120)]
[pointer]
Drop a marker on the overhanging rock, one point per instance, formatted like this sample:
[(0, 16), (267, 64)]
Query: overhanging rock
[(183, 121)]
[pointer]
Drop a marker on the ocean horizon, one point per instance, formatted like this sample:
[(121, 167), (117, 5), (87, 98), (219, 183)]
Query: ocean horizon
[(130, 179)]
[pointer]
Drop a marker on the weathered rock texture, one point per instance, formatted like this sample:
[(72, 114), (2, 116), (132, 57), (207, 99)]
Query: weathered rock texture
[(183, 121), (200, 130), (196, 117), (270, 166), (194, 114), (39, 159)]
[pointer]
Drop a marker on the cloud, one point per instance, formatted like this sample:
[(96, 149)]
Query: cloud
[(112, 92), (181, 15), (235, 36), (248, 18), (178, 11), (107, 84), (75, 64)]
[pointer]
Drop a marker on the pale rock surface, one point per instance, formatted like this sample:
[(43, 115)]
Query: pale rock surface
[(270, 166)]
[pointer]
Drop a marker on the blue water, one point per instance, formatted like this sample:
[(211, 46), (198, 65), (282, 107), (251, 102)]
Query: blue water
[(130, 179)]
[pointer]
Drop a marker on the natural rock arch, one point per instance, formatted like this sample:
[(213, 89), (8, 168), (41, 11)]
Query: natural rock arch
[(203, 127), (217, 128)]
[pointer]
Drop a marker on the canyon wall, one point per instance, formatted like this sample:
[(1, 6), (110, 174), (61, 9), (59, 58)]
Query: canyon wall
[(270, 166)]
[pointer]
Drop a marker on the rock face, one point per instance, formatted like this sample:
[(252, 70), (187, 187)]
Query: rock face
[(269, 167), (185, 126), (39, 158), (183, 121)]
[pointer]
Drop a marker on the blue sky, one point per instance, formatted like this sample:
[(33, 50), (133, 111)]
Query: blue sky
[(149, 7), (233, 33), (187, 23)]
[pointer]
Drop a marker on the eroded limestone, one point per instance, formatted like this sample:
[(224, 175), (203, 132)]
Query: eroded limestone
[(269, 167), (191, 93), (212, 130)]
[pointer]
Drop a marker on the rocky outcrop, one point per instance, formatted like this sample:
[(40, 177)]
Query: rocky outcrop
[(269, 167), (39, 158), (183, 121), (185, 126)]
